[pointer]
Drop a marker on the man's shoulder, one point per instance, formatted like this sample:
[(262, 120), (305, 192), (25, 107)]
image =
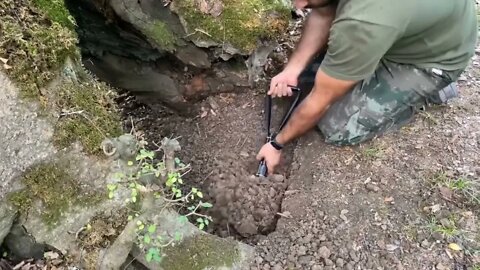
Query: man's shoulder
[(392, 13)]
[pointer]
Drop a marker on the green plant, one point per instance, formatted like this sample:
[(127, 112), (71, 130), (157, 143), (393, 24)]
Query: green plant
[(447, 230), (468, 189), (151, 177)]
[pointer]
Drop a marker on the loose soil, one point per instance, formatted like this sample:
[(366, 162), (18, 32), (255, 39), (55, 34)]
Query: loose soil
[(396, 202)]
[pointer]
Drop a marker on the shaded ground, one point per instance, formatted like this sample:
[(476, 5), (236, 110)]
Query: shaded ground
[(408, 200)]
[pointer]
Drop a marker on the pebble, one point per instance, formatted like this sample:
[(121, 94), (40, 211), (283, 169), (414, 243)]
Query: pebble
[(278, 267), (322, 238), (328, 262), (425, 243), (317, 267), (302, 250), (324, 252), (372, 187), (350, 266), (440, 266), (339, 262), (305, 259), (354, 256)]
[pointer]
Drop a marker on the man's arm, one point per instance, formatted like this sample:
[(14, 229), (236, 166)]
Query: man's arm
[(314, 39), (314, 36), (325, 92)]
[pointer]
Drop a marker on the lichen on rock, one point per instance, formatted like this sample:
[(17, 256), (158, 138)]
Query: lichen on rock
[(56, 189)]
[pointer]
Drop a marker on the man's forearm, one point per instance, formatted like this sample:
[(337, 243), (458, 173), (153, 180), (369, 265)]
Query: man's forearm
[(305, 117), (326, 91), (314, 37)]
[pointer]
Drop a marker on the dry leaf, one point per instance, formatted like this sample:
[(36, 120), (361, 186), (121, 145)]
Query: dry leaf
[(204, 114), (446, 193), (5, 66), (388, 199), (3, 60), (454, 246)]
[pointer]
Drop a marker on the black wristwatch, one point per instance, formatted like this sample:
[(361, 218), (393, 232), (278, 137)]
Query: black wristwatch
[(276, 144)]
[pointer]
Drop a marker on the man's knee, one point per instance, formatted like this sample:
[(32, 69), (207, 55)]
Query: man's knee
[(344, 132)]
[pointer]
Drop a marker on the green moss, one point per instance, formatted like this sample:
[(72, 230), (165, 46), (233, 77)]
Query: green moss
[(161, 34), (241, 23), (34, 47), (55, 188), (200, 252), (56, 11), (90, 115)]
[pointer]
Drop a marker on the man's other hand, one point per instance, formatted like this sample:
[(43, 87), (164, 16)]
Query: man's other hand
[(271, 157), (279, 84)]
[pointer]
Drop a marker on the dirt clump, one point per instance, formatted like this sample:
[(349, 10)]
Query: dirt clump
[(246, 203)]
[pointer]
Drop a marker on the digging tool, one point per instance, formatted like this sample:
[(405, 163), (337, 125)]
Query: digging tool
[(262, 167)]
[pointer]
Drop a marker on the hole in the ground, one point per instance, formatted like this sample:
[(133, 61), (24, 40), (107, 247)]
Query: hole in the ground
[(220, 142)]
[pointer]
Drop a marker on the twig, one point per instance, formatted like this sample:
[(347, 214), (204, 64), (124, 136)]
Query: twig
[(71, 113), (178, 200)]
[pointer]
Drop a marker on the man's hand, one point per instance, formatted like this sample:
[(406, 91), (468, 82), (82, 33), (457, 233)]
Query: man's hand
[(271, 157), (279, 84)]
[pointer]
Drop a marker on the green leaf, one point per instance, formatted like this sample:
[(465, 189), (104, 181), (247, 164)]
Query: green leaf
[(207, 205), (149, 257), (134, 192), (206, 221), (200, 194), (194, 190), (130, 163), (147, 239), (110, 195), (201, 226), (141, 227), (178, 236), (111, 187), (191, 208), (177, 160), (180, 181), (200, 220), (152, 228), (130, 218), (183, 219), (134, 199), (157, 258), (132, 185)]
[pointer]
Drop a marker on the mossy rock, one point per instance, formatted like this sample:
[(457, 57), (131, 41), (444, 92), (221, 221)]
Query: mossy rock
[(240, 23), (36, 50), (55, 188), (200, 252)]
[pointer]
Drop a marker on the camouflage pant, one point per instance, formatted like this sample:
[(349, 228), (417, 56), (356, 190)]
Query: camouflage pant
[(384, 102)]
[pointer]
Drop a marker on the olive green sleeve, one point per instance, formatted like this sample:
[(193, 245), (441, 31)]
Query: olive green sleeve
[(355, 48)]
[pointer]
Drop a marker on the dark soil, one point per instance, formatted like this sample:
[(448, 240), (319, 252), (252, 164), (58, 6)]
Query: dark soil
[(221, 145), (396, 202)]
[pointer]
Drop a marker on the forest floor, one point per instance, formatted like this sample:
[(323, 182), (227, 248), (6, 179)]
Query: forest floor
[(406, 200)]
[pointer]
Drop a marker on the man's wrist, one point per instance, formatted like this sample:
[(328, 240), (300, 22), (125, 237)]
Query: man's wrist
[(280, 139)]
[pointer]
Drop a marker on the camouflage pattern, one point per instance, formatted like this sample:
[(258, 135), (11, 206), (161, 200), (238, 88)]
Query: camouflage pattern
[(384, 102)]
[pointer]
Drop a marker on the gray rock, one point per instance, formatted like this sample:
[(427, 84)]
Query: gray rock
[(302, 250), (339, 262), (7, 214), (306, 259), (324, 252)]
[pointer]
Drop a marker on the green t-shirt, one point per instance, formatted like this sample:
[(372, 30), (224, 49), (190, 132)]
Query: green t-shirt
[(427, 33)]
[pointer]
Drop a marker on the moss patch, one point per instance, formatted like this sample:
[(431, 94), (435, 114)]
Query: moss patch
[(90, 115), (241, 23), (34, 46), (55, 188), (200, 252), (56, 11), (161, 34)]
